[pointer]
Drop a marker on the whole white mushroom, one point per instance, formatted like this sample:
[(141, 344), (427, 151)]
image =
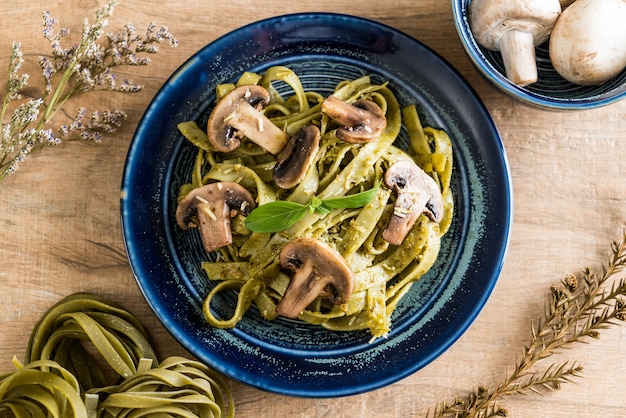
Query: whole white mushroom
[(515, 28), (588, 41)]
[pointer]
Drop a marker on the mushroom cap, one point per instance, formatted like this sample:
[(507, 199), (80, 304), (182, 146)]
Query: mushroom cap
[(363, 121), (588, 42), (295, 159), (416, 193), (318, 270), (222, 135), (491, 19), (210, 209)]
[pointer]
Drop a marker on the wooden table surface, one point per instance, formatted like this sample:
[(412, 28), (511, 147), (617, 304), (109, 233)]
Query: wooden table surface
[(60, 224)]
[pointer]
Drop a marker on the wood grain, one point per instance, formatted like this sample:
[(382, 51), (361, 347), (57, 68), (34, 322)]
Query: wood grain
[(60, 226)]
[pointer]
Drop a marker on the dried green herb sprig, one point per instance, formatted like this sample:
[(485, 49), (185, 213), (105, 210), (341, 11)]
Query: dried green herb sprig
[(69, 72), (577, 310)]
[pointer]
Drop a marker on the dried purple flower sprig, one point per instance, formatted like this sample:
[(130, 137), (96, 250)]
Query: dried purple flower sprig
[(69, 72)]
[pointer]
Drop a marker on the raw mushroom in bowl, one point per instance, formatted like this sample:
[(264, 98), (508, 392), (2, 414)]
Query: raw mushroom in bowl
[(515, 28), (588, 42)]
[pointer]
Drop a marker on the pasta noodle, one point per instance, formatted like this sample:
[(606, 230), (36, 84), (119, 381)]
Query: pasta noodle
[(62, 378), (117, 336), (38, 389), (383, 273)]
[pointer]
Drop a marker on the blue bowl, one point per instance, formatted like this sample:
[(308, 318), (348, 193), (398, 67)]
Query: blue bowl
[(551, 91)]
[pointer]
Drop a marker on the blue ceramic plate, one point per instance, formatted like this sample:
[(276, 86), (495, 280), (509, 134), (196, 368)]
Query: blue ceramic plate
[(290, 357)]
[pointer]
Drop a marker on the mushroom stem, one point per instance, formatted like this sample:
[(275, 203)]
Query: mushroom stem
[(214, 225), (518, 53), (257, 127)]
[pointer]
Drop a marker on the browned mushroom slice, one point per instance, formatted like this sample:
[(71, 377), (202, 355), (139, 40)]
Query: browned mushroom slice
[(294, 161), (318, 270), (416, 193), (361, 122), (210, 208), (237, 114)]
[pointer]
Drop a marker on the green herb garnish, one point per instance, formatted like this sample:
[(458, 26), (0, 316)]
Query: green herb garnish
[(280, 215)]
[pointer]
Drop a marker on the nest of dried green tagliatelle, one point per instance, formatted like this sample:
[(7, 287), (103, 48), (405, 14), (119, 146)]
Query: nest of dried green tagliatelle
[(88, 357), (308, 205)]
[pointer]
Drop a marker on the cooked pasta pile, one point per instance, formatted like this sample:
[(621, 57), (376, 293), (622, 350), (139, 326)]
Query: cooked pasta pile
[(383, 272)]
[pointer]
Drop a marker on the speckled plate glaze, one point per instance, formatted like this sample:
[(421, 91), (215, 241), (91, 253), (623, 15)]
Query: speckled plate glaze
[(290, 357), (551, 91)]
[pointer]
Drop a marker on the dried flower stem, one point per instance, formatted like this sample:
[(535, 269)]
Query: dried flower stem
[(577, 310), (68, 73)]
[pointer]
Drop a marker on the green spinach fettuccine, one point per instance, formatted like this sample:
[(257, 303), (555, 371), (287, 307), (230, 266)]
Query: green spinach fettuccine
[(89, 358), (383, 273)]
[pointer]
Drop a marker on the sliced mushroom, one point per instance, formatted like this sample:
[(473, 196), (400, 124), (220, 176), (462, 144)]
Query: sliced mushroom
[(237, 114), (318, 270), (294, 161), (211, 208), (362, 121), (416, 193)]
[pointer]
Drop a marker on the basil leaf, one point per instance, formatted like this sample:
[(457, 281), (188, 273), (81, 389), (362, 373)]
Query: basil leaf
[(280, 215), (275, 216), (315, 202), (321, 209), (357, 200), (316, 205)]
